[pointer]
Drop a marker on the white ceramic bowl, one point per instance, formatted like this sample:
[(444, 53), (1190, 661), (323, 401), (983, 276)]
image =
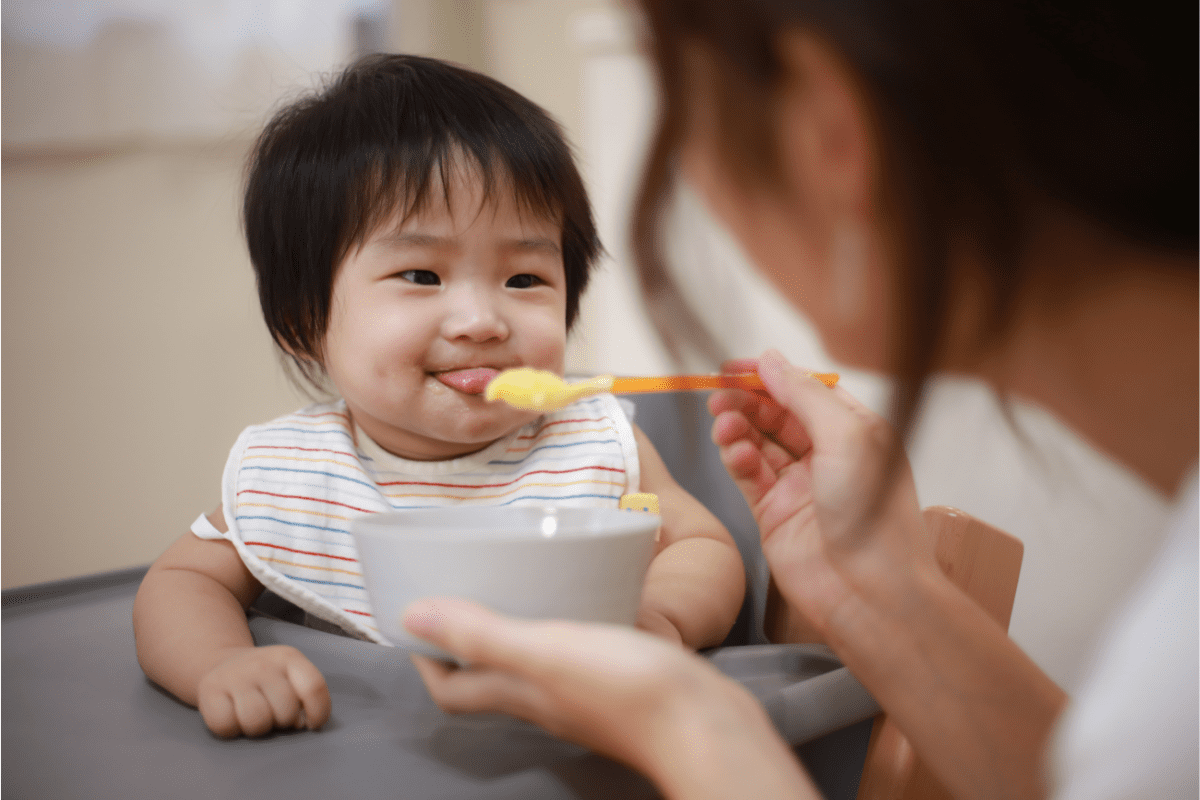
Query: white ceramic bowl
[(585, 564)]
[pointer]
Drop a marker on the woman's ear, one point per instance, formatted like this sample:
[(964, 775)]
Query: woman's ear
[(824, 132)]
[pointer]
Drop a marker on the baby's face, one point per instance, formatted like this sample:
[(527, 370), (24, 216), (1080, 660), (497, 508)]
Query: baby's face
[(426, 312)]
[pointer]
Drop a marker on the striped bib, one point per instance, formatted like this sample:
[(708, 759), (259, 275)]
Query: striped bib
[(292, 485)]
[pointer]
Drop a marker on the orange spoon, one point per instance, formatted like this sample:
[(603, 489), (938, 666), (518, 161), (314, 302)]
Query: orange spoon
[(538, 390)]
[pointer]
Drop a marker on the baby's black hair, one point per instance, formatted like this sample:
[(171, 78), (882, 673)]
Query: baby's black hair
[(384, 136)]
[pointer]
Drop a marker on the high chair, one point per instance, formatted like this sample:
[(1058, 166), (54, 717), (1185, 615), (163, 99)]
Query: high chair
[(982, 561)]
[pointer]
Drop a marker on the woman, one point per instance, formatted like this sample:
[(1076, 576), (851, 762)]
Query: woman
[(1004, 192)]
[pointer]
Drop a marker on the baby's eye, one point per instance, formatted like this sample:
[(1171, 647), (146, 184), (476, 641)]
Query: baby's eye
[(523, 281), (421, 277)]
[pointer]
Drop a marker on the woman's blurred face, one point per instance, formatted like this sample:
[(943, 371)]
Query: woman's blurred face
[(815, 235)]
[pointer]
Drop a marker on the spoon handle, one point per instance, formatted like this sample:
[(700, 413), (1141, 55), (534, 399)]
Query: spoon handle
[(679, 383)]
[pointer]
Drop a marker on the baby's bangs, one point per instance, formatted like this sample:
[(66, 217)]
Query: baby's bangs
[(393, 189)]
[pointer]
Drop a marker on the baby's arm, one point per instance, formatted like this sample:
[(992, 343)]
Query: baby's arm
[(696, 581), (189, 620)]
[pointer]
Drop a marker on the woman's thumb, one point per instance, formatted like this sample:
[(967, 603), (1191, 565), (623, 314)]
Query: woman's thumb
[(814, 404)]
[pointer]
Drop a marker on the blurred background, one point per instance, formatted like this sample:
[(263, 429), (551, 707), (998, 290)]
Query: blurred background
[(133, 351)]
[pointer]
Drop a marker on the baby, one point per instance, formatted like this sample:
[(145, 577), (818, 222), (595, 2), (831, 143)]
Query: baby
[(414, 228)]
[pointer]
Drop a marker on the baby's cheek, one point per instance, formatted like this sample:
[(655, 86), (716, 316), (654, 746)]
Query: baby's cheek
[(546, 347)]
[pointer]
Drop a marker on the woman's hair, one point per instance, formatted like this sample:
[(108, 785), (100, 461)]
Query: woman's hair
[(979, 108), (383, 138)]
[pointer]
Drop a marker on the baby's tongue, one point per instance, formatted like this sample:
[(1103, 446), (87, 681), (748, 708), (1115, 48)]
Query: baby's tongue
[(468, 381)]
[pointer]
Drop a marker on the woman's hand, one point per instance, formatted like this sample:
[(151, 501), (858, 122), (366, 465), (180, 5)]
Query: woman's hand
[(607, 687), (810, 462), (256, 689), (859, 564), (624, 693)]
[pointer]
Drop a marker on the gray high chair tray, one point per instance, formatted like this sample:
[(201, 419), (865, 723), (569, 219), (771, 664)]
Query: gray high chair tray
[(80, 720)]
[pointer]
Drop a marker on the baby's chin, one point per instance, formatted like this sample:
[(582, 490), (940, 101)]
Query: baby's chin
[(480, 426), (484, 432), (465, 425)]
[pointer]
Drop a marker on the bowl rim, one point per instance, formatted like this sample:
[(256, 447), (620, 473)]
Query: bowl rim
[(386, 524)]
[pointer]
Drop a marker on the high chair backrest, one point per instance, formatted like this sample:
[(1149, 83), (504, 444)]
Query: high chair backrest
[(680, 427), (984, 562)]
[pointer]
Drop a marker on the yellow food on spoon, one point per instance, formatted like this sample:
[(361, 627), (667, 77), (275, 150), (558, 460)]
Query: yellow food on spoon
[(538, 390)]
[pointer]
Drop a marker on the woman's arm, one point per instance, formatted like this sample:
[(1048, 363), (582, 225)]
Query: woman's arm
[(973, 705), (189, 621), (696, 582), (975, 708), (658, 708)]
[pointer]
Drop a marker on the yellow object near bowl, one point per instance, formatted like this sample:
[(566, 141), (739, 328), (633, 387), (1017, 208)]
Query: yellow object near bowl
[(639, 501)]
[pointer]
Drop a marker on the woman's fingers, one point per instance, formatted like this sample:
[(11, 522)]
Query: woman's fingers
[(817, 410), (475, 634), (608, 687), (743, 457), (731, 428), (766, 416), (739, 366), (460, 691)]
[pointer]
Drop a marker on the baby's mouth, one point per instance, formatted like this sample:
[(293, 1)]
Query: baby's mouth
[(468, 381)]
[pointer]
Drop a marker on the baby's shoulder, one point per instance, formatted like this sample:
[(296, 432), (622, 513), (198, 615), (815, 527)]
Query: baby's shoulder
[(318, 414), (320, 422)]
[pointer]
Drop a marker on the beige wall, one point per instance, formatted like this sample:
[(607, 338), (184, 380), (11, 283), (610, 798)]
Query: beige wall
[(133, 353)]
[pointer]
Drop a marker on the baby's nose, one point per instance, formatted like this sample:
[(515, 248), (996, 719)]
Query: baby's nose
[(474, 315)]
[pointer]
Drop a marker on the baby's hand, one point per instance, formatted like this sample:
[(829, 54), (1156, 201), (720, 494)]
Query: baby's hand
[(657, 623), (255, 689)]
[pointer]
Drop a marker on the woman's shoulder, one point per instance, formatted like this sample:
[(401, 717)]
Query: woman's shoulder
[(1133, 723)]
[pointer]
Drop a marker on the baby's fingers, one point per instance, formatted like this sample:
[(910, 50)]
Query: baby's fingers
[(312, 692), (283, 702), (255, 716), (217, 711)]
